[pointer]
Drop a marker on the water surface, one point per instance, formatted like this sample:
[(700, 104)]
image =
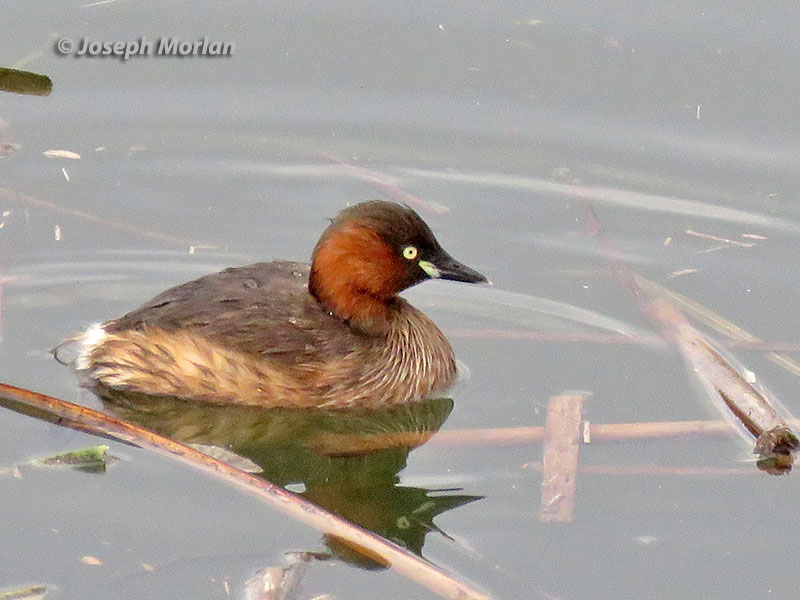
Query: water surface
[(513, 116)]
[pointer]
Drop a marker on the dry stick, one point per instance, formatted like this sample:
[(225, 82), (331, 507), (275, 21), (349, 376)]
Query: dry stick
[(774, 437), (654, 470), (773, 434), (717, 322), (393, 556), (618, 432), (13, 196), (771, 348), (560, 458), (341, 443)]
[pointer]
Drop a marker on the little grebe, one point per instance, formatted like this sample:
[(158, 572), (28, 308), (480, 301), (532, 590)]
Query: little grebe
[(283, 334)]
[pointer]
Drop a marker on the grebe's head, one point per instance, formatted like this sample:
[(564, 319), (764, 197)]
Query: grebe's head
[(372, 251)]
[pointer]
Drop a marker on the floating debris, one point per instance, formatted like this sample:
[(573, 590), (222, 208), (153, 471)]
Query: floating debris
[(101, 2), (25, 82), (228, 457), (281, 583), (675, 274), (32, 592), (193, 248), (708, 236), (61, 154), (7, 148), (563, 434), (93, 459), (776, 443)]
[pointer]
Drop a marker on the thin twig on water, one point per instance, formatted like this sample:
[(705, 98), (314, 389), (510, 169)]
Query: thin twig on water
[(714, 238), (13, 196), (388, 187)]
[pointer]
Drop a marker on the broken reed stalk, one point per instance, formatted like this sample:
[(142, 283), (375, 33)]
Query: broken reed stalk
[(653, 470), (775, 441), (739, 338), (562, 440), (360, 540), (772, 432), (338, 443)]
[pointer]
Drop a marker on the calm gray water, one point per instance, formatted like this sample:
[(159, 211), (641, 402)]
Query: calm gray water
[(513, 116)]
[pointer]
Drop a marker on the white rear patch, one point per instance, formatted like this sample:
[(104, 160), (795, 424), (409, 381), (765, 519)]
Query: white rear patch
[(83, 346)]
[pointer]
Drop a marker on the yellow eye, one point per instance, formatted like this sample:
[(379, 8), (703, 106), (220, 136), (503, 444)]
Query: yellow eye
[(410, 252)]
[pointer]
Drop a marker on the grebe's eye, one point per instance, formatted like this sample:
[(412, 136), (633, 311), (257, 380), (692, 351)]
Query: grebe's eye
[(410, 252)]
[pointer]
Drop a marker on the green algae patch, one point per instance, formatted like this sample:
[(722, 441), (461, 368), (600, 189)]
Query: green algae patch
[(92, 459)]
